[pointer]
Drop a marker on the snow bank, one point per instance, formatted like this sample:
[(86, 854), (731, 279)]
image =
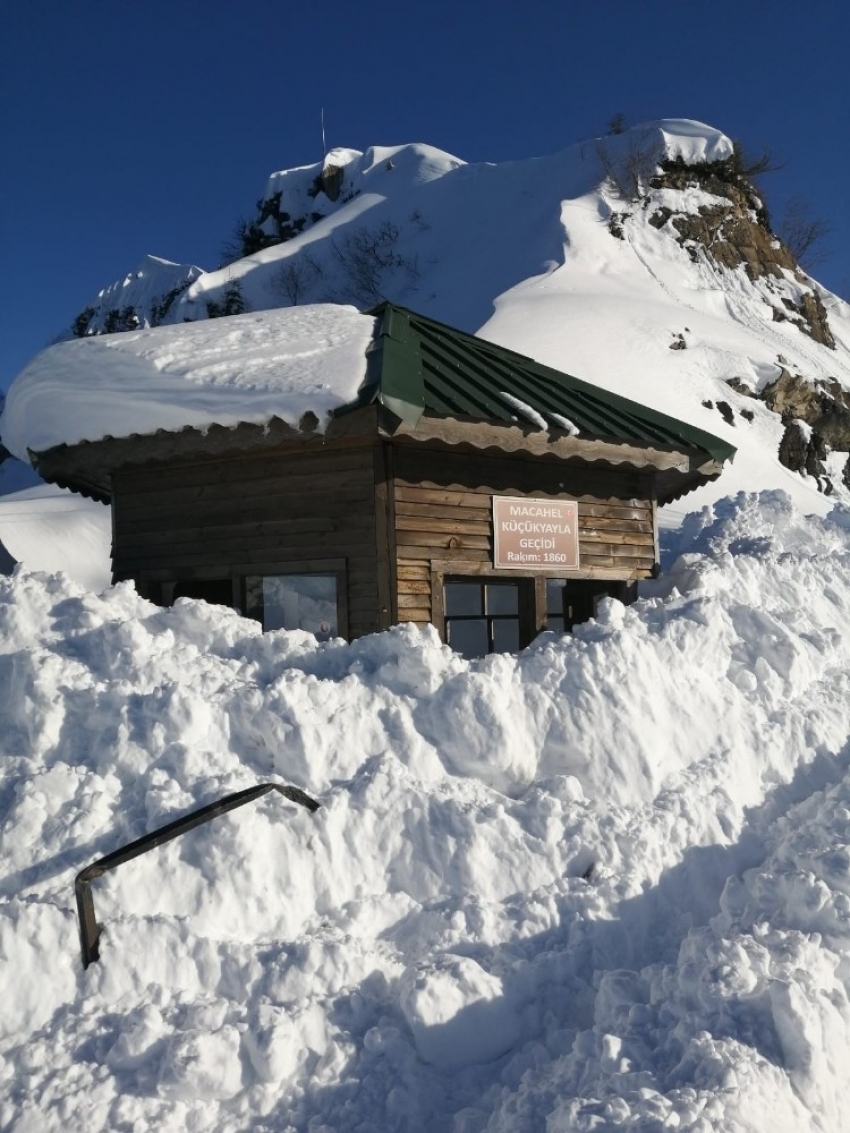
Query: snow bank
[(244, 368), (50, 529), (603, 884)]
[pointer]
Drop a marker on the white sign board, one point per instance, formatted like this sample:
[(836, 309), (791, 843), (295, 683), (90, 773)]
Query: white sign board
[(534, 534)]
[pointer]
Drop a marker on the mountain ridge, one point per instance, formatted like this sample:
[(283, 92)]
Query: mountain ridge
[(595, 260)]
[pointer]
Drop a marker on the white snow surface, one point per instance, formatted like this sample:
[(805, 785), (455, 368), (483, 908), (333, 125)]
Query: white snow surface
[(601, 885), (51, 529), (148, 290), (250, 368)]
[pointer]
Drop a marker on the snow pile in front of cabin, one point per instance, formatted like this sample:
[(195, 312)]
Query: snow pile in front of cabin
[(243, 368), (603, 884)]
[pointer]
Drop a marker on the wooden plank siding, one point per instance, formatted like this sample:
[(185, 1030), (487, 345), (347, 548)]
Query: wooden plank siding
[(253, 514), (399, 516), (443, 519)]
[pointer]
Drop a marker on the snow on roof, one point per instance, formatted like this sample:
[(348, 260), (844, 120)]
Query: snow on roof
[(253, 367)]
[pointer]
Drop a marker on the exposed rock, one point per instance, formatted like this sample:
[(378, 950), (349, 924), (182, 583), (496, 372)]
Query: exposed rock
[(815, 318), (660, 217), (332, 178), (329, 182), (823, 405), (736, 231), (741, 387), (273, 224), (802, 450), (615, 224)]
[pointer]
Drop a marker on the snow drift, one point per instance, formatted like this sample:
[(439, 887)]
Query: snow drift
[(602, 884)]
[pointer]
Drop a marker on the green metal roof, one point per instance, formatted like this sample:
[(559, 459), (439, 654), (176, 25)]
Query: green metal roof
[(418, 365)]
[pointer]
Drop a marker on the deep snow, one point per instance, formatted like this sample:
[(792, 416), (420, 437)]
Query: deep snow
[(604, 884), (601, 885)]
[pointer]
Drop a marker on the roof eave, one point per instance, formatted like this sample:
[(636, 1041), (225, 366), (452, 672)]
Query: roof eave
[(672, 485), (512, 437), (87, 467)]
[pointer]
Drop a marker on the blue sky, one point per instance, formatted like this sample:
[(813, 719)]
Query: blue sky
[(152, 128)]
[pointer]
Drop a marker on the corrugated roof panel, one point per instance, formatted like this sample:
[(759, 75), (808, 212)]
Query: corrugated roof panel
[(428, 365)]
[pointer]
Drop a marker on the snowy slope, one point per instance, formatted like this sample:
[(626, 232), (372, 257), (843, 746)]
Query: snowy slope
[(142, 298), (51, 529)]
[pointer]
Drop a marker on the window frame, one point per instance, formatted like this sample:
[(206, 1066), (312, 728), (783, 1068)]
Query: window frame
[(335, 567), (441, 572), (482, 583), (533, 603), (238, 573)]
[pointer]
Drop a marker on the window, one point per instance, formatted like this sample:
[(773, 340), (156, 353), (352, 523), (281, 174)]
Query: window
[(493, 614), (482, 616), (295, 601), (569, 602)]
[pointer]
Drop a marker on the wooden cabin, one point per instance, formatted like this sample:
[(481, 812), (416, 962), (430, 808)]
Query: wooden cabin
[(466, 486)]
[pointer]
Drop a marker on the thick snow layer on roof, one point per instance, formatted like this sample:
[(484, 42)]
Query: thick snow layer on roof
[(599, 885), (250, 367)]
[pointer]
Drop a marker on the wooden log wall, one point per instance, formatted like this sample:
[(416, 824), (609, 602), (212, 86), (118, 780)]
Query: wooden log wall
[(443, 512), (249, 514)]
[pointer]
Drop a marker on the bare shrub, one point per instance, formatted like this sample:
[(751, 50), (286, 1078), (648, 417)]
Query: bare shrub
[(296, 277), (803, 233), (628, 171), (369, 258)]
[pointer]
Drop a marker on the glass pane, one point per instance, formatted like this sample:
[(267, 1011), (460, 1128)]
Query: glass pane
[(555, 596), (463, 598), (502, 598), (254, 597), (555, 623), (469, 638), (506, 635), (301, 601)]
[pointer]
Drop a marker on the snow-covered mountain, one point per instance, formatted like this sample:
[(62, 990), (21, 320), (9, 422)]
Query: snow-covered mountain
[(642, 261), (602, 885)]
